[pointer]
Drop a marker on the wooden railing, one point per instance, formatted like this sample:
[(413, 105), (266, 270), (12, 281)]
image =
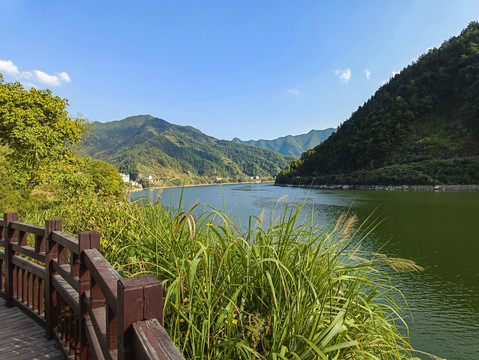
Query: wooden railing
[(66, 285)]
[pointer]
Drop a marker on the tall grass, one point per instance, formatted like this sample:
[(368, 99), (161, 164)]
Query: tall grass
[(285, 291)]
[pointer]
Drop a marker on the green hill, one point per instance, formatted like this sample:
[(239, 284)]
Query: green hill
[(292, 145), (422, 127), (144, 145)]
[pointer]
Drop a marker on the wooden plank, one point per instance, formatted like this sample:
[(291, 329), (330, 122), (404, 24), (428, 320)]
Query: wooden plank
[(65, 272), (152, 342), (21, 338), (28, 251), (104, 275), (98, 320), (67, 293), (66, 240), (29, 228), (39, 318), (95, 347)]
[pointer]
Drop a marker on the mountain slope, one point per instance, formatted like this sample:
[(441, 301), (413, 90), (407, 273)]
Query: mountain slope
[(423, 117), (144, 145), (292, 145)]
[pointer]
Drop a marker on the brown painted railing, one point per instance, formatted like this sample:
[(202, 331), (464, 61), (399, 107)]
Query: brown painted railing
[(66, 285)]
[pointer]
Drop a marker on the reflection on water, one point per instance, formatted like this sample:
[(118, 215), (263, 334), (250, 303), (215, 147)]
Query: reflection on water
[(437, 230)]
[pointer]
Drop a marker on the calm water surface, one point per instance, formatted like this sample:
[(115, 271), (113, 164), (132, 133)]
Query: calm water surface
[(440, 231)]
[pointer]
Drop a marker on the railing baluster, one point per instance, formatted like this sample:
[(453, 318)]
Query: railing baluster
[(86, 240), (41, 296), (50, 293), (24, 285), (10, 235)]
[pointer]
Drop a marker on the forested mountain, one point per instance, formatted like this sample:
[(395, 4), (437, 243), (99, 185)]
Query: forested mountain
[(292, 145), (144, 145), (421, 127)]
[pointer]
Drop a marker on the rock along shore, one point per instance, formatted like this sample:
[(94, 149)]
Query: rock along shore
[(391, 188)]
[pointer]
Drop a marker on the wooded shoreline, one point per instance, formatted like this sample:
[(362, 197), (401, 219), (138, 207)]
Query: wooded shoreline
[(473, 187), (196, 185)]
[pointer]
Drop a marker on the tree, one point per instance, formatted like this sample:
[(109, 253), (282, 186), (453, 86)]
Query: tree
[(10, 196), (35, 125), (106, 179)]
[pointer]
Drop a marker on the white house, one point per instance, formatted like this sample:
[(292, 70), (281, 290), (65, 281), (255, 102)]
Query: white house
[(125, 177)]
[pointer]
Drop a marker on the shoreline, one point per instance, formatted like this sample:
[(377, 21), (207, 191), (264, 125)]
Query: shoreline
[(437, 188), (196, 185)]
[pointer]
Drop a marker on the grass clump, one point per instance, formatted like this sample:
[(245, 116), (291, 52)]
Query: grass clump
[(285, 291)]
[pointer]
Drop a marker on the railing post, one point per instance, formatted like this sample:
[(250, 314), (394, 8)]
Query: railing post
[(139, 298), (11, 235), (51, 253), (86, 240)]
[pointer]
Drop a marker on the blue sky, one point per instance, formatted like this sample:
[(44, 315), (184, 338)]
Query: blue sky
[(247, 69)]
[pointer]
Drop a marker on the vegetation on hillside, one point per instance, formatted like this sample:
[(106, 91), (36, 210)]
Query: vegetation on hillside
[(423, 116), (144, 145), (292, 145)]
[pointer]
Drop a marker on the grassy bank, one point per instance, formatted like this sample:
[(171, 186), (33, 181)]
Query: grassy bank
[(281, 290)]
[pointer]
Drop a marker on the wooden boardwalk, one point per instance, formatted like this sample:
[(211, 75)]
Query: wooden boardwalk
[(21, 338), (66, 285)]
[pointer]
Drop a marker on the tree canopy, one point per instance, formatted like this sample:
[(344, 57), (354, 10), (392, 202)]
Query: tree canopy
[(37, 127)]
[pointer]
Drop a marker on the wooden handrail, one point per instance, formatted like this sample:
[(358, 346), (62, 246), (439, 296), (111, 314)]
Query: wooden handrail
[(66, 285)]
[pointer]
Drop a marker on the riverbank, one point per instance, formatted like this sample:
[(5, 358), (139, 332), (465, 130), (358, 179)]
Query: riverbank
[(197, 185), (390, 187)]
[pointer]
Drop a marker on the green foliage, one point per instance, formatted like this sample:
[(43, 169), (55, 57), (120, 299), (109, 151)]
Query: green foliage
[(36, 127), (144, 145), (430, 111), (10, 194), (145, 183), (105, 178)]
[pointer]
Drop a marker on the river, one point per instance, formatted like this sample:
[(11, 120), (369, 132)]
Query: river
[(438, 230)]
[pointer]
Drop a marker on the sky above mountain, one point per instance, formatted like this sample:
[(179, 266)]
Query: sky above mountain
[(247, 69)]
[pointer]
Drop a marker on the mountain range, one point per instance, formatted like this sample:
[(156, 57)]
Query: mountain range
[(422, 127), (292, 145), (144, 145)]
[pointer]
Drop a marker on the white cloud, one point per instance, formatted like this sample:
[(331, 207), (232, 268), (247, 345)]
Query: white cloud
[(368, 73), (294, 91), (9, 68), (52, 80), (344, 75), (395, 73), (65, 77)]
